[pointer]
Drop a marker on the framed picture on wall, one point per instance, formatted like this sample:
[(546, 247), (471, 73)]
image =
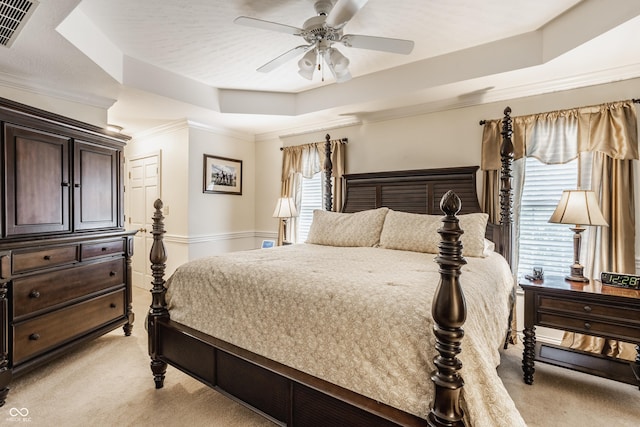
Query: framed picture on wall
[(222, 175)]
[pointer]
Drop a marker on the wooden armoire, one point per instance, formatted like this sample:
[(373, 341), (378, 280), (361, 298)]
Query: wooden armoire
[(65, 257)]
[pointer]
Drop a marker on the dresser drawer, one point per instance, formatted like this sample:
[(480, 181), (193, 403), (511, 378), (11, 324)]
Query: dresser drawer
[(590, 326), (588, 309), (44, 258), (99, 249), (43, 333), (40, 291)]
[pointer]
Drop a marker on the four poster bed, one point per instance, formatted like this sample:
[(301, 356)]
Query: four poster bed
[(336, 331)]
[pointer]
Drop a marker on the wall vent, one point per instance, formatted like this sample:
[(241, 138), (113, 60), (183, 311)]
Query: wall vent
[(13, 17)]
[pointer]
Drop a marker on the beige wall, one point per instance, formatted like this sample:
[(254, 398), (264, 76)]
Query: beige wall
[(449, 138), (220, 222), (197, 223)]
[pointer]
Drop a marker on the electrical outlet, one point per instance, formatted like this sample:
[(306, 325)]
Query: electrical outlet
[(165, 210)]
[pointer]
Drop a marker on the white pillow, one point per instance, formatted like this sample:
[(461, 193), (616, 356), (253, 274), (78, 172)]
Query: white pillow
[(419, 233), (347, 229)]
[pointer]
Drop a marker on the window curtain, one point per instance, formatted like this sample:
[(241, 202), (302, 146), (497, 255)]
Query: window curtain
[(606, 133), (306, 160)]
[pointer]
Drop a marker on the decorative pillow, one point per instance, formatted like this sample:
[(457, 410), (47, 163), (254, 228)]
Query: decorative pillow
[(347, 229), (419, 233), (410, 232), (475, 227), (489, 248)]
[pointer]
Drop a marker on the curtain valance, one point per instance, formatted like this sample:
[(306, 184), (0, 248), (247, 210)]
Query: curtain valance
[(609, 128), (308, 159)]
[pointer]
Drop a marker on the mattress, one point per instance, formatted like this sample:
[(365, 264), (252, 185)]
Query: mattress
[(358, 317)]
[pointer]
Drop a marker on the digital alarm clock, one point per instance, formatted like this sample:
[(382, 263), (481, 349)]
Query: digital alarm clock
[(620, 279)]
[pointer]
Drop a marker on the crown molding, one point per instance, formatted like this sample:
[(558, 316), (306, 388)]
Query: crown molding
[(27, 85)]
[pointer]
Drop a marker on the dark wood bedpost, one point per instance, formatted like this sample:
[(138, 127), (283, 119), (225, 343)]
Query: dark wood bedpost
[(506, 199), (506, 212), (328, 168), (158, 309), (449, 312)]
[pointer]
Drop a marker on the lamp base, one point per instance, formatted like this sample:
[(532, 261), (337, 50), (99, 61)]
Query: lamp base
[(577, 274)]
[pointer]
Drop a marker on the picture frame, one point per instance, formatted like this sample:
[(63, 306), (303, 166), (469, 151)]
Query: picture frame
[(221, 175), (268, 244)]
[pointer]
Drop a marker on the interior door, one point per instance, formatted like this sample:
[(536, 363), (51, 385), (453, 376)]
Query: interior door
[(143, 189)]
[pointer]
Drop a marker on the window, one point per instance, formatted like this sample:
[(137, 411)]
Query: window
[(311, 199), (542, 244)]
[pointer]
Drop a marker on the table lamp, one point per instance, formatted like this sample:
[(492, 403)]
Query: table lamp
[(285, 209), (578, 207)]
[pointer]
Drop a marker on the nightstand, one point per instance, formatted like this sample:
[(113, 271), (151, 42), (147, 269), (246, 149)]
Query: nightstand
[(587, 308)]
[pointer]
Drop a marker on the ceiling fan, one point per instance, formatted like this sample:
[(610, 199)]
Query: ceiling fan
[(321, 32)]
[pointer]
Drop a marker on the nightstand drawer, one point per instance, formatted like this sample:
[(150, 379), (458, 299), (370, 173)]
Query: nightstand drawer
[(42, 333), (590, 326), (38, 292), (587, 308)]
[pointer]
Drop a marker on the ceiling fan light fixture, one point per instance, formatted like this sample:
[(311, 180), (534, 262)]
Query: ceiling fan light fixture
[(308, 61), (343, 76), (338, 60)]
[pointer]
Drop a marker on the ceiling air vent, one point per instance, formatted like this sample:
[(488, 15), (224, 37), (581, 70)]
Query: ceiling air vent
[(13, 16)]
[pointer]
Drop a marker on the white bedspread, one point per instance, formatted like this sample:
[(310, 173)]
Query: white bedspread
[(357, 317)]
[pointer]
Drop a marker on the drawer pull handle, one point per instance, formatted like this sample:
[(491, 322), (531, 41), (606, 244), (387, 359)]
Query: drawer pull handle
[(34, 294), (47, 257), (587, 325), (112, 273), (34, 337), (587, 309), (65, 184), (113, 305)]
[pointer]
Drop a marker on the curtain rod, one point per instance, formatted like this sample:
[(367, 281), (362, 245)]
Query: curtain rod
[(342, 140), (634, 100)]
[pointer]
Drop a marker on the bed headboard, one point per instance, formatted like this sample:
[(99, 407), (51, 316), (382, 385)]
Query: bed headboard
[(416, 191)]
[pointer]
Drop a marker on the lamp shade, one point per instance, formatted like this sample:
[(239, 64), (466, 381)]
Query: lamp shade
[(578, 207), (285, 208)]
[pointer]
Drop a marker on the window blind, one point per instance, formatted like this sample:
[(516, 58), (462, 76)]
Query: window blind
[(542, 244), (311, 199)]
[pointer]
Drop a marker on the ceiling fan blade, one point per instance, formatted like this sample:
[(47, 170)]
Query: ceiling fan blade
[(290, 54), (343, 11), (267, 25), (384, 44)]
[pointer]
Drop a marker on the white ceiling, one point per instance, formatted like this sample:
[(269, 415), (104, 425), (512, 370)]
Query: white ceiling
[(153, 61)]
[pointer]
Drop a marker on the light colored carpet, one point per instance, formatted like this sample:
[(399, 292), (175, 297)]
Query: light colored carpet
[(108, 383)]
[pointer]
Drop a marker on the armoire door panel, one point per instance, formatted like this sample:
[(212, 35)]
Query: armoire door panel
[(37, 181), (95, 186)]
